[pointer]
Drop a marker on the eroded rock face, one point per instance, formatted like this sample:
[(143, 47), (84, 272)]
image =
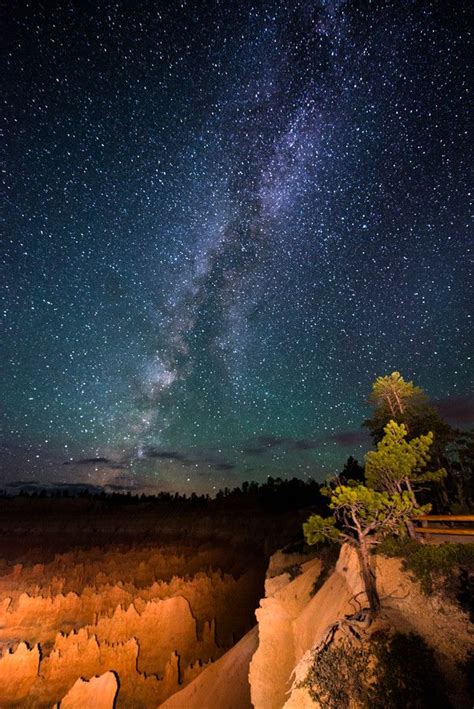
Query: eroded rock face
[(98, 692), (147, 621), (18, 673), (277, 653), (223, 684), (292, 621)]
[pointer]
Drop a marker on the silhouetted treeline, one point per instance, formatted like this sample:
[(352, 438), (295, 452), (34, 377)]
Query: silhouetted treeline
[(258, 517), (275, 495)]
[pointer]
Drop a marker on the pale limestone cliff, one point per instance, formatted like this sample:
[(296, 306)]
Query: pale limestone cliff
[(223, 684), (292, 621), (259, 670)]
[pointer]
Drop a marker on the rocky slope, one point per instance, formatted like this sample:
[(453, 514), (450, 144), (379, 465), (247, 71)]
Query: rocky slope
[(292, 622), (223, 683), (293, 619)]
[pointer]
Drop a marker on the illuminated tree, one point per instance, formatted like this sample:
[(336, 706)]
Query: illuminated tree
[(395, 399), (361, 516), (395, 393)]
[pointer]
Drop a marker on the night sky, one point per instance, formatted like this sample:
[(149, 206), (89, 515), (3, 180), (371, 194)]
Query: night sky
[(223, 220)]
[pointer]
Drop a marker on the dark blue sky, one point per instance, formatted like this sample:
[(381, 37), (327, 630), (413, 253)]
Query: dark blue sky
[(223, 220)]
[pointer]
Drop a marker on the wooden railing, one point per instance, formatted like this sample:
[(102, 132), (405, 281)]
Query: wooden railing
[(446, 521)]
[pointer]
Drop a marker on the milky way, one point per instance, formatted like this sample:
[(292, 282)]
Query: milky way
[(223, 221)]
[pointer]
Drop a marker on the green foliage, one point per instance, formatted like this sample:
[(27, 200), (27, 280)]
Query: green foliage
[(389, 672), (394, 399), (398, 547), (352, 471), (407, 674), (319, 529), (398, 463), (394, 393), (359, 511), (429, 561), (459, 454)]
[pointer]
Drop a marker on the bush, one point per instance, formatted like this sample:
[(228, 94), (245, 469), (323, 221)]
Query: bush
[(407, 674), (429, 561), (388, 672), (337, 674)]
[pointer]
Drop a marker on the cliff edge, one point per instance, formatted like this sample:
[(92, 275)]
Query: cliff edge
[(304, 599), (300, 607)]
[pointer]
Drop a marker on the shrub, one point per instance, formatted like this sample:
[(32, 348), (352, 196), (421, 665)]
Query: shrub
[(337, 674), (388, 672), (429, 561), (407, 674)]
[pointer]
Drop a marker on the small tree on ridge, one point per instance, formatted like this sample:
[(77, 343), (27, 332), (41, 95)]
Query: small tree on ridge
[(361, 515)]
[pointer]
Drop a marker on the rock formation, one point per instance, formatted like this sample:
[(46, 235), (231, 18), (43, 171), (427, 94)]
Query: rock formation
[(18, 673), (98, 692), (223, 683), (293, 621), (156, 617), (141, 623), (294, 617)]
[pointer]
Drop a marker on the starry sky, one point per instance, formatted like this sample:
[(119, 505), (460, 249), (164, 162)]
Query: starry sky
[(223, 220)]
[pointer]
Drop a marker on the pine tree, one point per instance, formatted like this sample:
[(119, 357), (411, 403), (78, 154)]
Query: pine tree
[(395, 399), (397, 395), (399, 464), (359, 516)]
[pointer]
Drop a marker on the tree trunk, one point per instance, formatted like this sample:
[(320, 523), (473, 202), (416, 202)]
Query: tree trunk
[(411, 493), (442, 494), (388, 399), (399, 402), (410, 529), (409, 524), (368, 575)]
